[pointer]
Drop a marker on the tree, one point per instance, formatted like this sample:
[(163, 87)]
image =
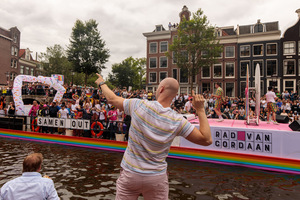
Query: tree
[(195, 46), (87, 50), (130, 72), (55, 61)]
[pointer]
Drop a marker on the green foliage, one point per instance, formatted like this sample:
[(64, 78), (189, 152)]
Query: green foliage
[(196, 45), (130, 72), (55, 61), (87, 50)]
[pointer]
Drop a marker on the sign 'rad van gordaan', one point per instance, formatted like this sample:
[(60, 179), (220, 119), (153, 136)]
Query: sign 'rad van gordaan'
[(243, 140), (64, 123)]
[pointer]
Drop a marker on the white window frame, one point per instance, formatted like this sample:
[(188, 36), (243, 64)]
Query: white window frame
[(150, 47), (290, 42), (298, 47), (12, 50), (262, 48), (286, 60), (32, 72), (155, 62), (261, 67), (16, 51), (160, 44), (160, 62), (163, 72), (299, 67), (266, 72), (155, 75), (233, 51), (232, 90), (27, 70), (267, 49), (12, 63), (173, 58), (249, 63), (241, 51), (209, 67), (233, 70), (274, 80), (21, 69), (180, 79), (219, 64), (284, 84)]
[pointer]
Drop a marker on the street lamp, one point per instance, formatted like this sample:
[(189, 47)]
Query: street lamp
[(73, 73), (7, 76)]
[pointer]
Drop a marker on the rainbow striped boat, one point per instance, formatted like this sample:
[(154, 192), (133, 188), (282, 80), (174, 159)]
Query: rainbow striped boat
[(258, 152)]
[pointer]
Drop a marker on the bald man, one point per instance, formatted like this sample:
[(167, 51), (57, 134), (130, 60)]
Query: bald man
[(154, 125)]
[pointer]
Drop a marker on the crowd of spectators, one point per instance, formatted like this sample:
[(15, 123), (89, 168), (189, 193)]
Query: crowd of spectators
[(89, 103)]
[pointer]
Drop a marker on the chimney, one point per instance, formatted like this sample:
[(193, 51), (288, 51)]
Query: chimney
[(298, 12)]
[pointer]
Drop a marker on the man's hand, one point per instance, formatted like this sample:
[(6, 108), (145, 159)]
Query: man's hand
[(198, 101), (99, 80)]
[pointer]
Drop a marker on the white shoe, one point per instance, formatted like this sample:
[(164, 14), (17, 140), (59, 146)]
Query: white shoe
[(220, 120), (276, 123)]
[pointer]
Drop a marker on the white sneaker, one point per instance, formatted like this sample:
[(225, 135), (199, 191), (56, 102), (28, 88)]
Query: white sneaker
[(220, 120), (276, 123)]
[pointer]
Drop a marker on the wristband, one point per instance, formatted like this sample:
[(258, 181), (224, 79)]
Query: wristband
[(101, 83)]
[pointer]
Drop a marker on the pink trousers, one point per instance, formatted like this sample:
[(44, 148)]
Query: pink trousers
[(131, 185)]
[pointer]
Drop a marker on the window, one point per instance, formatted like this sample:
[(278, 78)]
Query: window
[(289, 85), (183, 90), (153, 47), (152, 77), (152, 63), (15, 63), (271, 67), (31, 72), (299, 46), (16, 51), (12, 76), (229, 89), (229, 52), (214, 86), (15, 39), (260, 62), (272, 49), (12, 51), (185, 56), (229, 70), (258, 28), (183, 76), (243, 87), (258, 50), (243, 69), (22, 70), (288, 48), (174, 59), (12, 63), (205, 87), (274, 83), (162, 76), (175, 74), (289, 67), (163, 62), (163, 46), (205, 72), (217, 71), (27, 70), (158, 28), (204, 53), (245, 50)]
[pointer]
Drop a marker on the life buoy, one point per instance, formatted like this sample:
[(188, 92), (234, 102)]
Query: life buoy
[(101, 129), (33, 123)]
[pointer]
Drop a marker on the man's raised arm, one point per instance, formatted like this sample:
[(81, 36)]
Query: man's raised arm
[(109, 95)]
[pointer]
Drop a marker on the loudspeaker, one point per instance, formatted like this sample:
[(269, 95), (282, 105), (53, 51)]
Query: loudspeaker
[(295, 125), (282, 119)]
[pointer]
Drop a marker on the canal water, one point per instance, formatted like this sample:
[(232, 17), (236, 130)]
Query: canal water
[(80, 173)]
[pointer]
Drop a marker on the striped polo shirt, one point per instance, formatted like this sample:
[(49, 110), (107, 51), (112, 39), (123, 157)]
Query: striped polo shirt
[(151, 133)]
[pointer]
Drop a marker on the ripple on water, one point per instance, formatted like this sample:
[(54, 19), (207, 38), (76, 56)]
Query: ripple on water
[(80, 173)]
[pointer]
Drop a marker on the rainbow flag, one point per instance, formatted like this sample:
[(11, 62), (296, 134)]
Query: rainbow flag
[(89, 95)]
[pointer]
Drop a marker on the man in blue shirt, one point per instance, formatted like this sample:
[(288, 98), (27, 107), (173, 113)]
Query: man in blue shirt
[(31, 185)]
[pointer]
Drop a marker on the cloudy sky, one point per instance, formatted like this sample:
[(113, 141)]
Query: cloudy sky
[(44, 23)]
